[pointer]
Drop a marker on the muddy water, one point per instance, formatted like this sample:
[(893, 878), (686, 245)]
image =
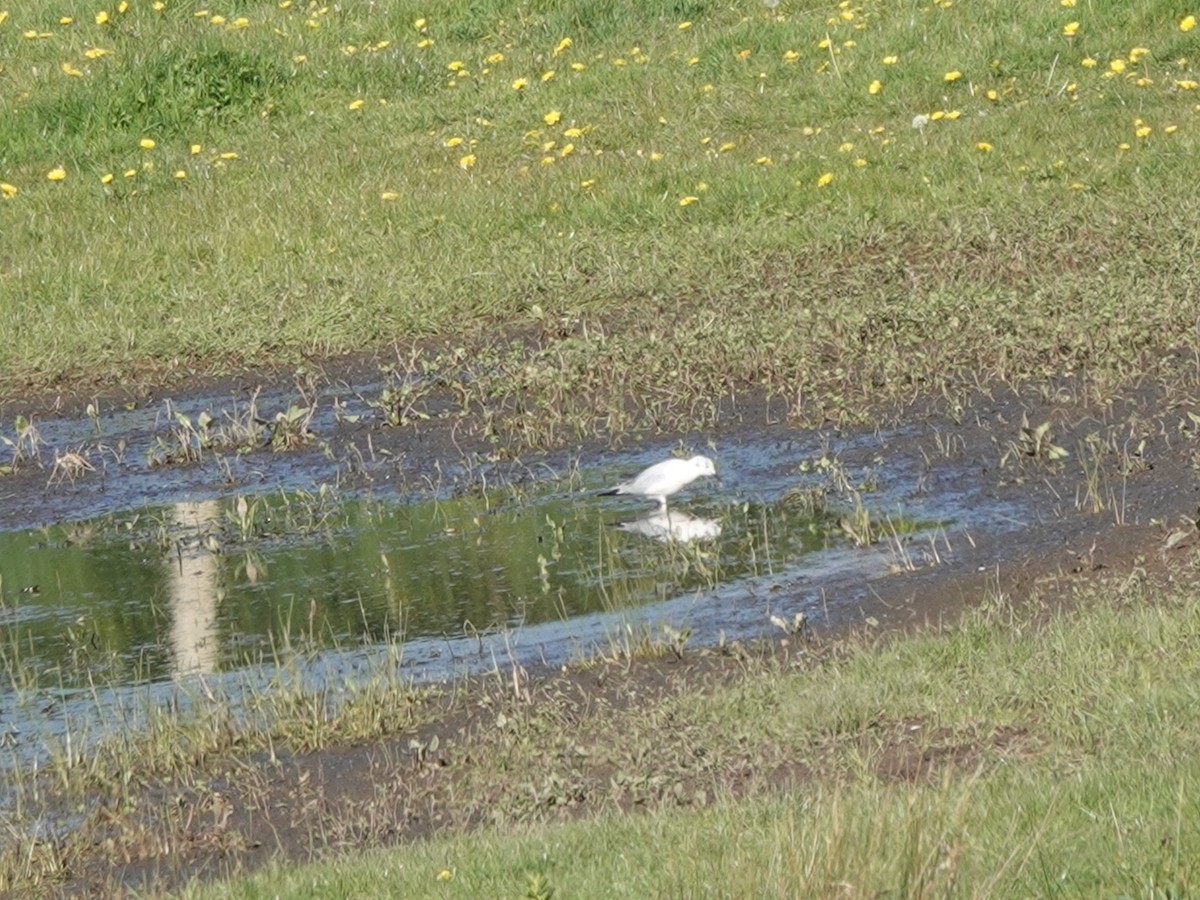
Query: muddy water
[(139, 602)]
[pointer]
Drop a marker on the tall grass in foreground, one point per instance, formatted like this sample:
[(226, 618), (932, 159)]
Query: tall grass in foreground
[(1009, 757), (730, 191)]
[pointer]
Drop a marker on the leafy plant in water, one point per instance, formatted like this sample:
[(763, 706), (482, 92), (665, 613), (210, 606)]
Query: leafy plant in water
[(185, 442), (290, 428), (1035, 443)]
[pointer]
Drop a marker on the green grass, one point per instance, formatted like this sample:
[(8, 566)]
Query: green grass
[(338, 228), (1060, 758)]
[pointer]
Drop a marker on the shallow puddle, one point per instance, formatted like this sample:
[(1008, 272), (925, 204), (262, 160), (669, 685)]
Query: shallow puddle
[(105, 613)]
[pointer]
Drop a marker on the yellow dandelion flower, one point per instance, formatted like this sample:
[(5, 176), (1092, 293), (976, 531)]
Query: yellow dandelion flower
[(299, 59), (467, 161), (684, 26), (96, 52), (825, 180), (180, 174), (791, 56), (764, 161), (1117, 66), (548, 76), (218, 20), (824, 44), (1068, 4), (859, 163), (229, 154), (875, 87), (1124, 145), (577, 67), (123, 6), (455, 65), (688, 200), (655, 156), (194, 149), (701, 187), (445, 874), (147, 143), (69, 69), (356, 104), (520, 84), (1136, 54), (983, 147), (1170, 129), (1077, 185), (1186, 85), (425, 42), (389, 196), (890, 60), (744, 53), (102, 17), (1071, 29), (953, 114), (567, 150), (65, 20), (1143, 131), (8, 191), (239, 23), (573, 133), (129, 173), (57, 174), (726, 147), (547, 160), (953, 75), (452, 142), (846, 147), (107, 178), (494, 59), (1187, 23), (562, 46), (1088, 63), (588, 184), (552, 117), (708, 89), (992, 95), (419, 24)]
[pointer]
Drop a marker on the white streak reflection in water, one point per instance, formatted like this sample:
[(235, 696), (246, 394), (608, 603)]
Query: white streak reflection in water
[(193, 579), (673, 525)]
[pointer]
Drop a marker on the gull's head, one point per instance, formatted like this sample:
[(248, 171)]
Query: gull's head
[(703, 465)]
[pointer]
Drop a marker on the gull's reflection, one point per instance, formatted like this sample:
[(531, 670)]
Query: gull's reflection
[(673, 525)]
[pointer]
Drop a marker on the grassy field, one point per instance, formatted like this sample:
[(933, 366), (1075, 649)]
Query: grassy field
[(612, 216), (679, 200), (1009, 757)]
